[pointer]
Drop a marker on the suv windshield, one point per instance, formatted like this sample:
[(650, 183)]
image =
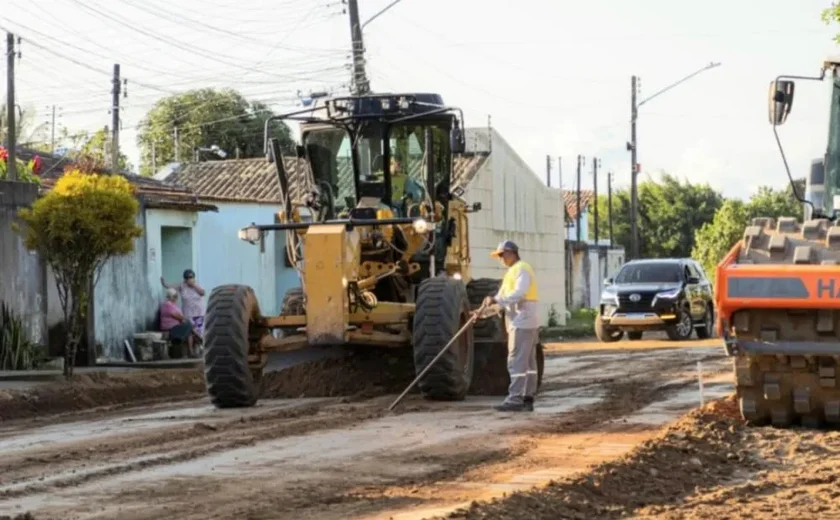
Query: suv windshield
[(654, 272)]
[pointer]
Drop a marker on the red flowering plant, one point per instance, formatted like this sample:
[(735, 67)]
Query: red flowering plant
[(27, 171)]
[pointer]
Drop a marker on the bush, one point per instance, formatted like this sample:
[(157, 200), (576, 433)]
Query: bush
[(16, 351), (26, 171), (76, 228)]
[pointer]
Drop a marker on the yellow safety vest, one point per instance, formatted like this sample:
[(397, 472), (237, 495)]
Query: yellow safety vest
[(509, 281), (397, 188)]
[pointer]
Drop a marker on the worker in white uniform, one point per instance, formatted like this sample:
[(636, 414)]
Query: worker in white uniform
[(518, 296)]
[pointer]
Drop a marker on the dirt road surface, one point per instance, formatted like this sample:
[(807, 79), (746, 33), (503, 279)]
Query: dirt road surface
[(338, 458)]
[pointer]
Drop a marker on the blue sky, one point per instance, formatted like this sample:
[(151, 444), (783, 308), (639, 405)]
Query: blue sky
[(553, 75)]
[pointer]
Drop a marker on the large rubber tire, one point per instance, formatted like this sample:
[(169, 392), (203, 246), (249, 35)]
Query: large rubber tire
[(293, 302), (490, 329), (606, 334), (229, 334), (707, 329), (635, 335), (684, 327), (442, 308), (771, 387)]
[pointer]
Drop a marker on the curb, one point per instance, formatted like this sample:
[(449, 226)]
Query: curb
[(100, 368)]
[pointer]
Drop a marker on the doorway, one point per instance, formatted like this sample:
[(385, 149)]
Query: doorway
[(176, 252)]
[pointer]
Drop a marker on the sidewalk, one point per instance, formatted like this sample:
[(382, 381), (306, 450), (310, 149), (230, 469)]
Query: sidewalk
[(112, 367)]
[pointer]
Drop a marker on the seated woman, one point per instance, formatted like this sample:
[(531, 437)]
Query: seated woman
[(172, 320)]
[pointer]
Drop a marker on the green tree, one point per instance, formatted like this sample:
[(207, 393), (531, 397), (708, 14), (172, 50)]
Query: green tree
[(670, 211), (85, 220), (27, 132), (204, 118), (832, 15), (717, 237), (94, 147)]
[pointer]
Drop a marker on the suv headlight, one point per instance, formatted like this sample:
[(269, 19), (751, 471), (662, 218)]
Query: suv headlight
[(609, 296), (669, 295)]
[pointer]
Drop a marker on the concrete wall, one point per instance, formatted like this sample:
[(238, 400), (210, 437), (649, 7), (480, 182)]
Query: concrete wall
[(222, 258), (125, 302), (517, 206), (22, 274), (590, 266)]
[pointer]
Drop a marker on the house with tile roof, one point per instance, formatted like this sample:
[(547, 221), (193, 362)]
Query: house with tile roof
[(516, 205), (587, 263), (128, 292)]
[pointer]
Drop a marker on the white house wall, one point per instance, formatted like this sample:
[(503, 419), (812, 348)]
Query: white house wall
[(517, 206)]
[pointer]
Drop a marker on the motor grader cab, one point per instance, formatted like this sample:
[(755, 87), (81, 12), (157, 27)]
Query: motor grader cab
[(778, 293), (377, 230)]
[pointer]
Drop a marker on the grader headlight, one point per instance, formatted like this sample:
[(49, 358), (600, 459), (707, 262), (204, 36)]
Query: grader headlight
[(250, 234), (421, 226)]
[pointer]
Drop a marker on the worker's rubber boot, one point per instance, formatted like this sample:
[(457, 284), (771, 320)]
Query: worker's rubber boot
[(512, 407), (528, 404)]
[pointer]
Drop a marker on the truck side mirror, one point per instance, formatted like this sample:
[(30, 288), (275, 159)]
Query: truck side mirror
[(780, 102), (608, 281)]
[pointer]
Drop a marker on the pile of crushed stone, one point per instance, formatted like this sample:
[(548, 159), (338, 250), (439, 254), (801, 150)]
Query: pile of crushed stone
[(95, 390), (698, 452)]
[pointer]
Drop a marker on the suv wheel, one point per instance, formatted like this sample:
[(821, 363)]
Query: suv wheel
[(681, 330), (606, 334), (705, 331), (635, 335)]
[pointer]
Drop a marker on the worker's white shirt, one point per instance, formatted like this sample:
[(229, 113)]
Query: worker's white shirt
[(519, 313)]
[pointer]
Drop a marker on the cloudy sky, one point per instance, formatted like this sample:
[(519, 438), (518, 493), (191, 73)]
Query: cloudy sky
[(554, 75)]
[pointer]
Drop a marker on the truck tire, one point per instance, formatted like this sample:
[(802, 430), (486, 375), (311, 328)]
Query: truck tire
[(442, 308), (707, 328), (682, 330), (229, 336), (605, 333)]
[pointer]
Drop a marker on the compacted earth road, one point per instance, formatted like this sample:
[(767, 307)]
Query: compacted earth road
[(609, 438)]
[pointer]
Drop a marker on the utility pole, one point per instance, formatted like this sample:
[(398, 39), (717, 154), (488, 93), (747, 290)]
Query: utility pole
[(360, 83), (10, 107), (609, 206), (580, 161), (115, 120), (177, 146), (548, 170), (632, 148), (595, 164), (634, 192), (560, 176), (52, 132)]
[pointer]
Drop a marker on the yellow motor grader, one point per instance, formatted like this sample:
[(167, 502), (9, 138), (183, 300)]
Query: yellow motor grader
[(377, 230)]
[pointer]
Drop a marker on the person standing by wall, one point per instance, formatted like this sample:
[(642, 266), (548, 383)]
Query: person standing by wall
[(192, 299)]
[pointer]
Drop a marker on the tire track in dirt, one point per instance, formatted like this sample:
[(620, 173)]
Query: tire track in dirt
[(26, 474), (622, 391)]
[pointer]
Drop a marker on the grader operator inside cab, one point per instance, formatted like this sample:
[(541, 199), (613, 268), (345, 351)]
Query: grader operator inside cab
[(778, 292), (377, 231)]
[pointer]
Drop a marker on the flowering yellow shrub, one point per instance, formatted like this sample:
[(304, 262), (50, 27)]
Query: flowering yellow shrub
[(75, 182), (76, 227)]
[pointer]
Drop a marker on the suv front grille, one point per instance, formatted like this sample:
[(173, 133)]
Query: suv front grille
[(644, 304)]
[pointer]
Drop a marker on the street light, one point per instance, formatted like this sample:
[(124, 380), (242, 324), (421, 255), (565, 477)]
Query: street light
[(632, 148)]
